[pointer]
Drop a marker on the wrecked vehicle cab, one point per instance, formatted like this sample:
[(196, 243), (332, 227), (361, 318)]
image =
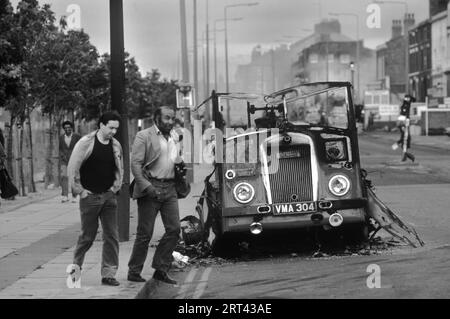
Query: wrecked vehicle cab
[(288, 160)]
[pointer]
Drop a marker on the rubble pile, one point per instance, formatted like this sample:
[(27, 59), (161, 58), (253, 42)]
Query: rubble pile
[(200, 254)]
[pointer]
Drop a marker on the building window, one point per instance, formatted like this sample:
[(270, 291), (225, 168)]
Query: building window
[(313, 58), (381, 69), (376, 99), (345, 58), (330, 58)]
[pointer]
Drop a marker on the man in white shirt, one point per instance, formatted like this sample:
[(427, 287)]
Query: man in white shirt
[(153, 158), (67, 142)]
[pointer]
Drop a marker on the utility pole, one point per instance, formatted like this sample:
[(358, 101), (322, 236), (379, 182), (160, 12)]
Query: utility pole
[(185, 79), (272, 62), (117, 103), (195, 52), (207, 64), (215, 56), (184, 50), (326, 58)]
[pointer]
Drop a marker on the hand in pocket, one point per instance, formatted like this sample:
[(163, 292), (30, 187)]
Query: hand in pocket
[(152, 191)]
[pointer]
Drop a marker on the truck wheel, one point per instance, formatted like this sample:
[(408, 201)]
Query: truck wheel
[(225, 246), (356, 234)]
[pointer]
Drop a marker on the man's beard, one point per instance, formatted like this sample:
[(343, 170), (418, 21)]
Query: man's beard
[(165, 128)]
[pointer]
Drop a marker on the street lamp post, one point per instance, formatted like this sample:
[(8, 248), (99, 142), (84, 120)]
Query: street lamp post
[(404, 3), (118, 104), (215, 46), (195, 62), (205, 51), (226, 45), (207, 115), (358, 60)]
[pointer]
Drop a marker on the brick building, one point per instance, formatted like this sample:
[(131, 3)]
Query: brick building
[(391, 63), (420, 64), (437, 6), (329, 59), (279, 67), (267, 72)]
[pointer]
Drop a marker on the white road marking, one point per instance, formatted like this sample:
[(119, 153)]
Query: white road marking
[(203, 283), (184, 287)]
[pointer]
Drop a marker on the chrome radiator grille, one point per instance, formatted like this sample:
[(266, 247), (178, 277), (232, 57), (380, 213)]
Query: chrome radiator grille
[(293, 181)]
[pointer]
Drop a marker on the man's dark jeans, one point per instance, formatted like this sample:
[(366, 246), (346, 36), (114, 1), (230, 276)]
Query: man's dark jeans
[(93, 207), (148, 208)]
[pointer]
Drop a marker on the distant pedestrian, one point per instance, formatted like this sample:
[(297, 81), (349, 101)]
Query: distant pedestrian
[(2, 138), (403, 124), (7, 188), (2, 154), (67, 142), (153, 158), (95, 172)]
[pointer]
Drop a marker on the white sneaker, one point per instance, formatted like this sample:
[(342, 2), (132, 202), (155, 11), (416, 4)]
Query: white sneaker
[(74, 199), (64, 199)]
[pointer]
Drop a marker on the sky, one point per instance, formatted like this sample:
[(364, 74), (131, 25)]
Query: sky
[(152, 27)]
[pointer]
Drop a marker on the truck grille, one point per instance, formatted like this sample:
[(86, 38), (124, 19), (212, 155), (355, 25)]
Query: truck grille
[(293, 176)]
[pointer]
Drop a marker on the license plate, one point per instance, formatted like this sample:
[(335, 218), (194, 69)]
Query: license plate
[(294, 208)]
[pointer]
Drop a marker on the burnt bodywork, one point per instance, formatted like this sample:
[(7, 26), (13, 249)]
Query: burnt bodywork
[(296, 192), (288, 160)]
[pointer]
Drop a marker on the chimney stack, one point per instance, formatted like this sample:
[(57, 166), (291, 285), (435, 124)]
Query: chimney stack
[(396, 28), (408, 21)]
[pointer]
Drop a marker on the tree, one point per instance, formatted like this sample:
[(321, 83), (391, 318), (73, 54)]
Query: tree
[(10, 57), (24, 31), (142, 94), (64, 73), (157, 93), (55, 70)]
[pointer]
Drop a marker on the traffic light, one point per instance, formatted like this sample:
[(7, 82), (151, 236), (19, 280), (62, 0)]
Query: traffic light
[(185, 96)]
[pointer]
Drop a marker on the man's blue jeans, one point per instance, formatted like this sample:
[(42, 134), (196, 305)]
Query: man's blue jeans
[(93, 207), (148, 208)]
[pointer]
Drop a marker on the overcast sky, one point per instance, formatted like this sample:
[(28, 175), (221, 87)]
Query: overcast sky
[(152, 27)]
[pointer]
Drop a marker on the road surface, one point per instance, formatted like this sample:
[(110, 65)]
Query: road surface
[(418, 192)]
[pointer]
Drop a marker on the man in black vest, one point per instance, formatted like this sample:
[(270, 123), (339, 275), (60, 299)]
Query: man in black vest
[(96, 173)]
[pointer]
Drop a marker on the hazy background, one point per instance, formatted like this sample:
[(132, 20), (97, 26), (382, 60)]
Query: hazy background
[(152, 27)]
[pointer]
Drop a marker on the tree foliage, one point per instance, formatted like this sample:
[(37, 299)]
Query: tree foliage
[(43, 64), (10, 55)]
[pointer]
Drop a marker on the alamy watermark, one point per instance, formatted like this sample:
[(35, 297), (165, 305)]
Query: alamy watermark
[(73, 18), (74, 278), (374, 19), (374, 279), (232, 146)]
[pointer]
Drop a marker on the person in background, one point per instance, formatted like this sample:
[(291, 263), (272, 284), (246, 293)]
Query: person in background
[(67, 142), (2, 138), (2, 156), (403, 125)]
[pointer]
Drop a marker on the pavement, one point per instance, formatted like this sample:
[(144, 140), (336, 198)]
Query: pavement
[(38, 234), (37, 240)]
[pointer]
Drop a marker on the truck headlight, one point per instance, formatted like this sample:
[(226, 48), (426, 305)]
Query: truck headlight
[(243, 192), (339, 185)]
